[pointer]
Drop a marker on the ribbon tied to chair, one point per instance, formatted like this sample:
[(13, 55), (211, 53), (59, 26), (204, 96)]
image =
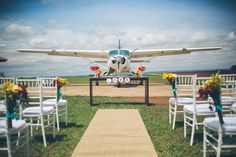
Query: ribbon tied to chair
[(218, 107), (12, 115), (174, 90), (59, 94)]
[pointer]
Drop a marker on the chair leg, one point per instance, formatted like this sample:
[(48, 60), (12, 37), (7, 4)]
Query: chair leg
[(54, 128), (38, 121), (27, 144), (9, 145), (43, 132), (185, 126), (204, 141), (57, 116), (174, 118), (66, 114), (196, 125), (169, 113), (218, 152), (31, 127), (193, 130)]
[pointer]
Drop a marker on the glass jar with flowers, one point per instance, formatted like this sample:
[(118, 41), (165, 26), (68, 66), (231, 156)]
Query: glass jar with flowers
[(14, 95), (171, 79), (212, 88), (60, 83)]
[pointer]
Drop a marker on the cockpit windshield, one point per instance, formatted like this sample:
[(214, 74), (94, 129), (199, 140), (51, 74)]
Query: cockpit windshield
[(115, 52)]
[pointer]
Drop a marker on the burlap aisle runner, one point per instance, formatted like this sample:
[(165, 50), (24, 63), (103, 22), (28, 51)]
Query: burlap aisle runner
[(115, 133)]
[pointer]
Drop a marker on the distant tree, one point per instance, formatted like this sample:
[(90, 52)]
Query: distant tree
[(233, 67)]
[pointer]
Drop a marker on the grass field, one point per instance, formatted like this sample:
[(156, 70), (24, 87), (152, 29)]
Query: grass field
[(168, 143)]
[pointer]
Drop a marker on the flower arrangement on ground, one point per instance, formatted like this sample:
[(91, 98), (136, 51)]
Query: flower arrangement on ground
[(60, 83), (212, 88), (97, 70), (171, 79), (12, 94), (139, 70)]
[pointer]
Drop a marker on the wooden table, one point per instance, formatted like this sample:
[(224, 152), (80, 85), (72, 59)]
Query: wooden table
[(141, 79)]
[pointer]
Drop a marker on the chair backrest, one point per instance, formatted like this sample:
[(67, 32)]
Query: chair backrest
[(34, 89), (228, 84), (228, 78), (4, 79), (185, 85), (49, 87)]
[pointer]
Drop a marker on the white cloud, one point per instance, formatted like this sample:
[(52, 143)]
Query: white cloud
[(2, 45), (131, 38), (16, 31), (232, 36)]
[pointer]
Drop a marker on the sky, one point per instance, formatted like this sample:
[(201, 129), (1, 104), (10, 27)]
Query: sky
[(99, 24)]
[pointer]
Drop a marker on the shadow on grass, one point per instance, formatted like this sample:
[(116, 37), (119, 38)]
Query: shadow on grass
[(39, 138), (70, 125), (127, 85), (179, 124), (121, 103)]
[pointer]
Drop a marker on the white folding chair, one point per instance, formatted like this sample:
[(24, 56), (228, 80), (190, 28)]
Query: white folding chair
[(185, 87), (49, 93), (214, 134), (199, 108), (14, 138), (38, 114)]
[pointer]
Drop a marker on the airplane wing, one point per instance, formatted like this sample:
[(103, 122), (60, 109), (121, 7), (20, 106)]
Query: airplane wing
[(73, 53), (164, 52)]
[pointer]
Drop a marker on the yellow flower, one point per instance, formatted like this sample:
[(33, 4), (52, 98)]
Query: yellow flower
[(137, 71), (98, 71), (168, 76), (164, 76), (61, 81)]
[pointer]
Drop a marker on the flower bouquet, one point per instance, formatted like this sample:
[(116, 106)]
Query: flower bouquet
[(97, 70), (171, 79), (139, 70), (212, 88), (60, 82), (12, 94)]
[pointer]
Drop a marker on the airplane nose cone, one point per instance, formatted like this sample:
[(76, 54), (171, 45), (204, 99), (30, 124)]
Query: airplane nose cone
[(120, 59), (113, 61)]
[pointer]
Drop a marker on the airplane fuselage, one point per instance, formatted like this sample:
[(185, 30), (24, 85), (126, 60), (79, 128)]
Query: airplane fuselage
[(119, 61)]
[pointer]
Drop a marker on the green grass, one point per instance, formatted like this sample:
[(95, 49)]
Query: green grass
[(168, 143), (157, 78), (78, 79)]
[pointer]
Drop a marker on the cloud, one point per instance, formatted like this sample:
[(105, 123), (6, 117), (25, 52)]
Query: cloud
[(16, 31), (52, 22), (232, 36), (2, 45)]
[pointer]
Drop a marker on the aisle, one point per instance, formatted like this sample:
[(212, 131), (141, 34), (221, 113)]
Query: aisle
[(115, 133)]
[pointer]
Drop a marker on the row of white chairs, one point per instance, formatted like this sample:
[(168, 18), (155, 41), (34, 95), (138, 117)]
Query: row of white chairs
[(189, 104), (42, 110)]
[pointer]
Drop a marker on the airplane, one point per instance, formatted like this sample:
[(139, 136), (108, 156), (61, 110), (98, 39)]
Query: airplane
[(118, 60)]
